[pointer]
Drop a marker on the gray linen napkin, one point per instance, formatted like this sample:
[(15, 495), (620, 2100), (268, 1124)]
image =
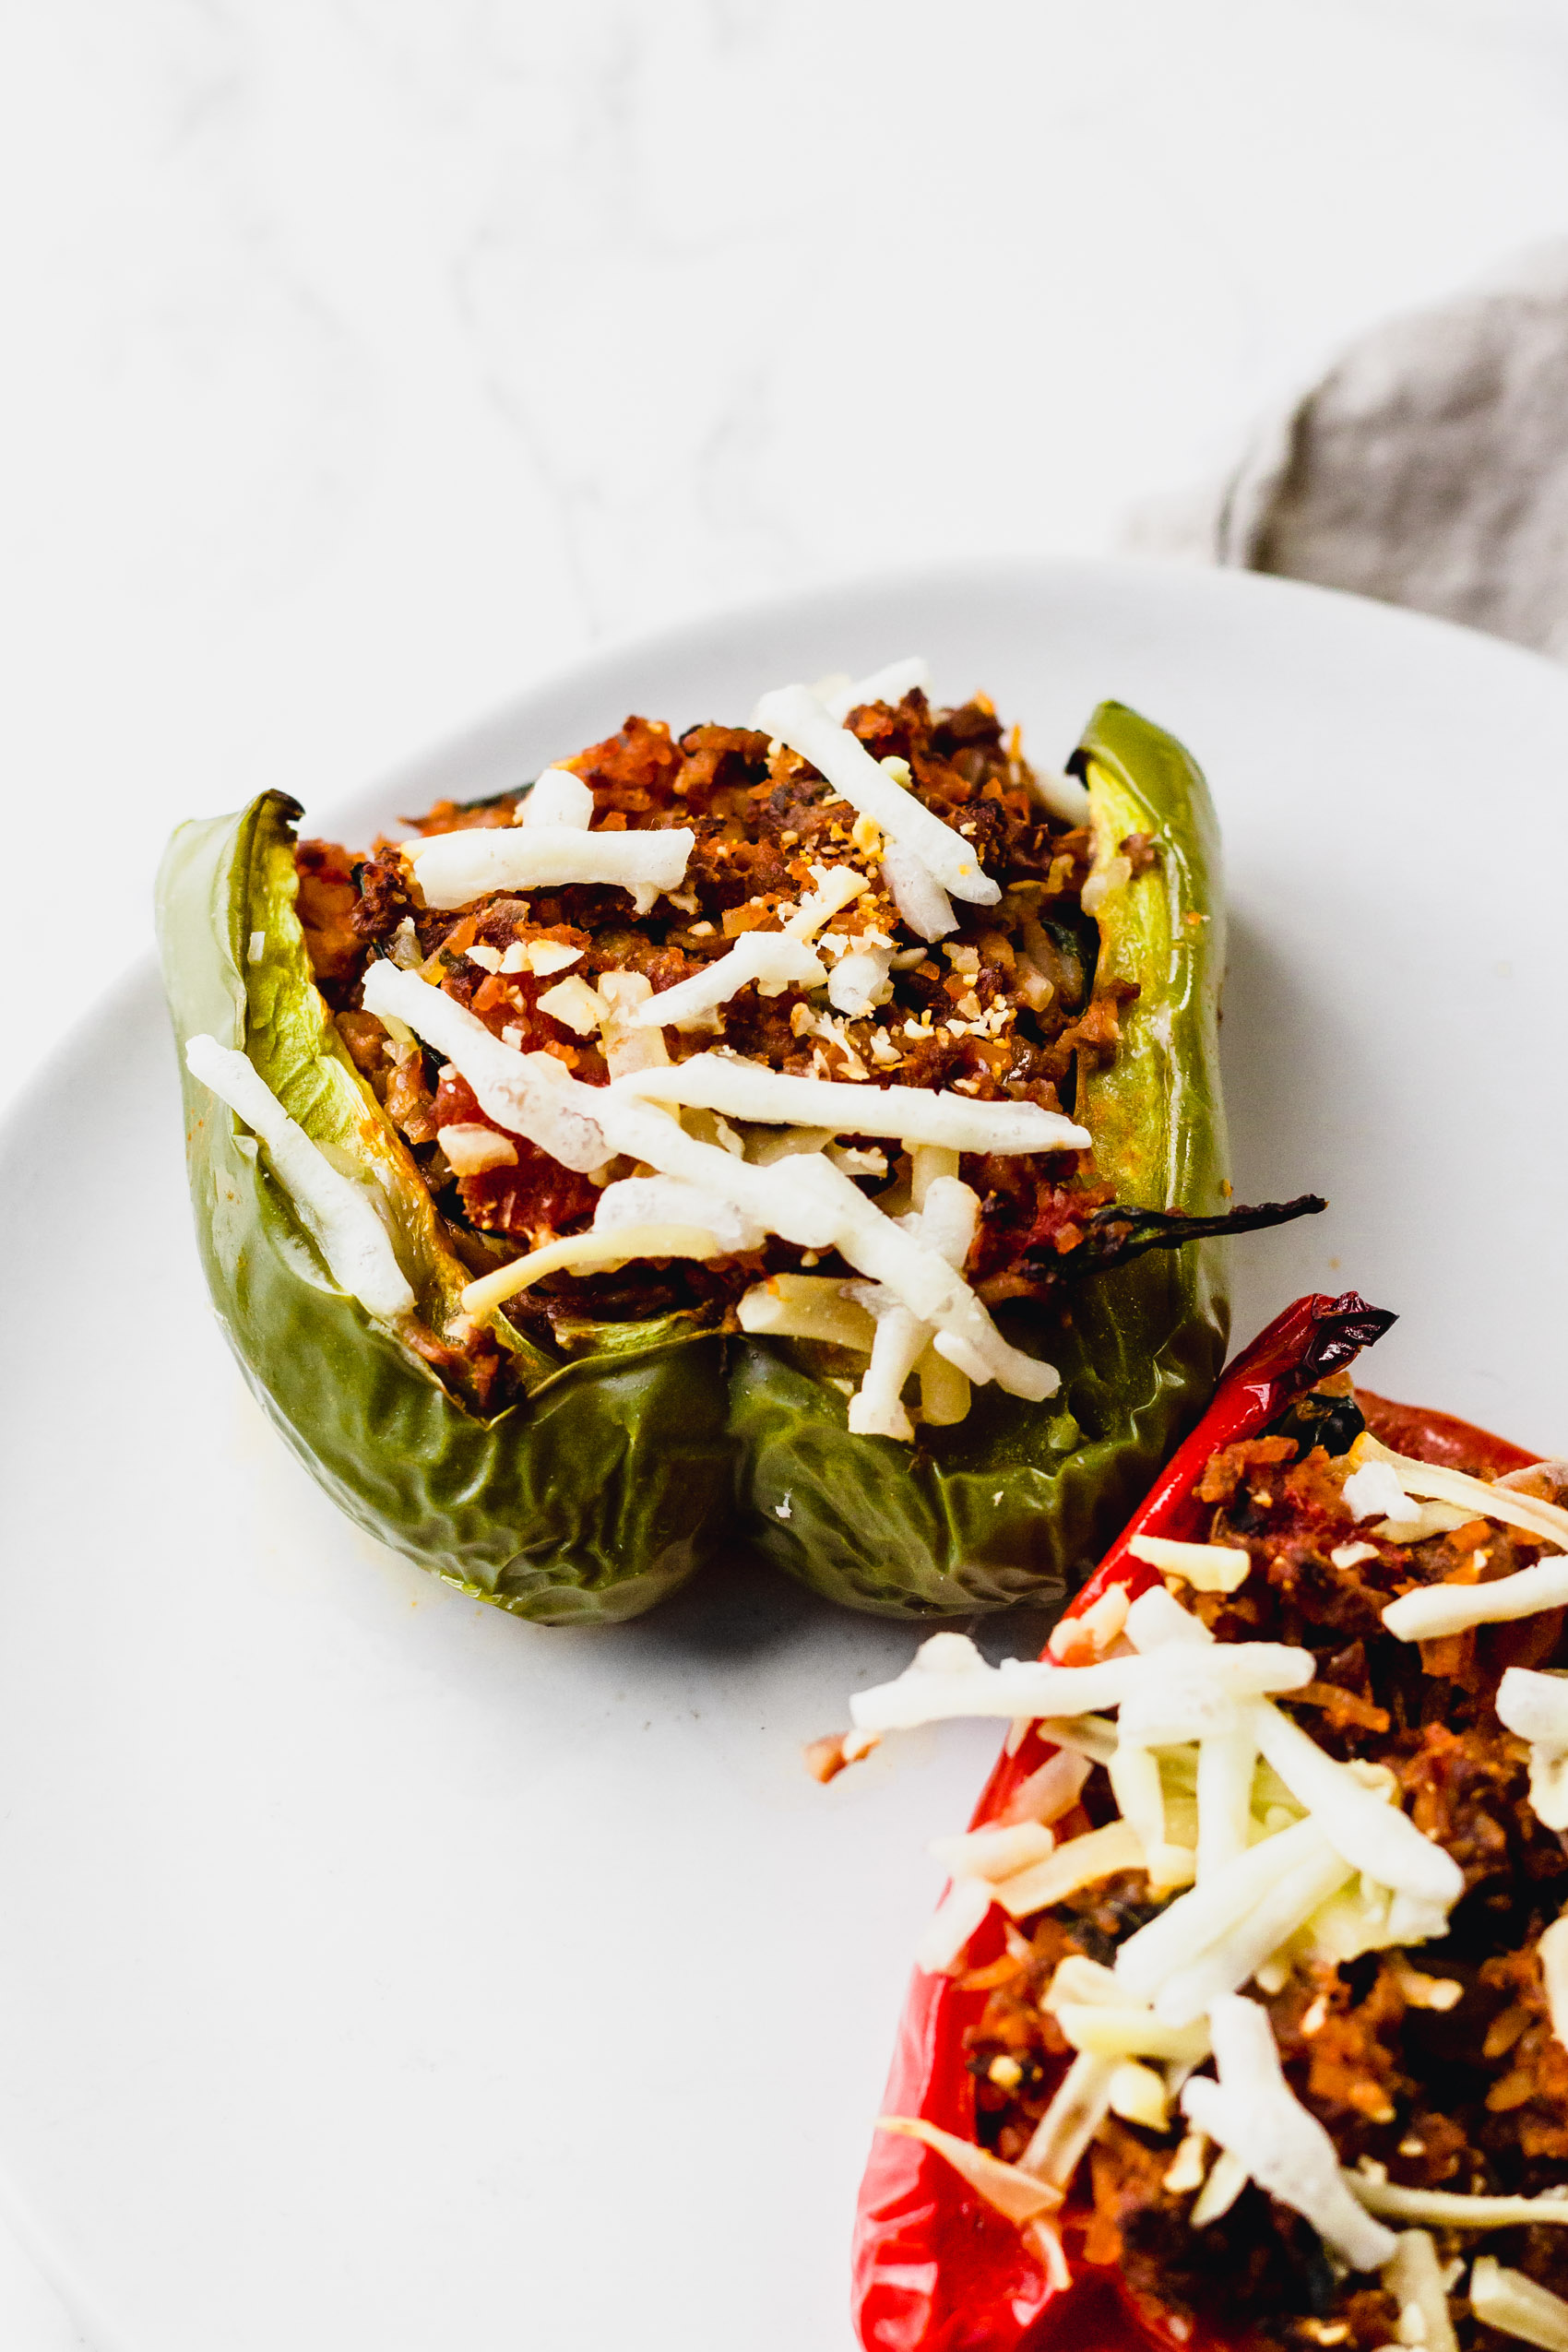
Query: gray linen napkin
[(1428, 467)]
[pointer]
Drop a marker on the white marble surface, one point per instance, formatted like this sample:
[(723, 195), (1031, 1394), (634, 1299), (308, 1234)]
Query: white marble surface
[(368, 358)]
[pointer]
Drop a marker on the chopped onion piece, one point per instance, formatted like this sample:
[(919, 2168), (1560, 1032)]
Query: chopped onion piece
[(574, 1002), (1252, 2113), (558, 797), (339, 1214), (794, 715), (471, 1148), (1514, 2305), (1005, 2186), (858, 982)]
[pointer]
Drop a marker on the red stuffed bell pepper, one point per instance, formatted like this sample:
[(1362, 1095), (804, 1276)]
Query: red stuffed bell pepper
[(988, 2222)]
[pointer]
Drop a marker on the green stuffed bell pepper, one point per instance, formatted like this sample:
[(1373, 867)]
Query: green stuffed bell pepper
[(597, 1482), (1019, 1498), (685, 1149)]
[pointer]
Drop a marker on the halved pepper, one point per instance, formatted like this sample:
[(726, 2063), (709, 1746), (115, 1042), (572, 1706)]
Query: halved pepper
[(621, 1469), (599, 1492), (1017, 1499), (936, 2269)]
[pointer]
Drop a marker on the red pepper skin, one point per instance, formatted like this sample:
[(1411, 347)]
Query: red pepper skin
[(935, 2268)]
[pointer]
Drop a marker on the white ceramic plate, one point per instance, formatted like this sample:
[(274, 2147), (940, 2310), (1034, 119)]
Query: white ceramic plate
[(375, 1971)]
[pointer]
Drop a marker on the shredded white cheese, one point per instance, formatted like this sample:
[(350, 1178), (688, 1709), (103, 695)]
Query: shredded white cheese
[(996, 1852), (1130, 2032), (912, 1114), (794, 715), (637, 1201), (1252, 2113), (580, 1252), (1070, 2123), (803, 1200), (1064, 797), (1515, 2305), (1099, 1853), (948, 1678), (1446, 2209), (1369, 1832), (1204, 1920), (1208, 1567), (512, 1088), (453, 869), (1553, 1951), (339, 1213), (1237, 1958), (889, 684), (1510, 1506), (1413, 2276), (1053, 1789), (558, 797), (769, 958), (946, 1937), (805, 1306), (1432, 1610), (1227, 2176)]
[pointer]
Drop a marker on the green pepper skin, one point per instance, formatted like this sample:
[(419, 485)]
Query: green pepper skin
[(1018, 1501), (589, 1503), (615, 1480)]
